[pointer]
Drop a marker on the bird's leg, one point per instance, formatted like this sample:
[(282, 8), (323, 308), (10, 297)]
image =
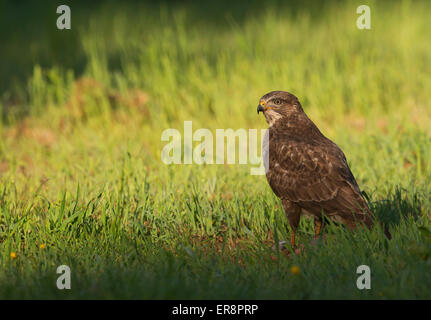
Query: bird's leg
[(292, 239), (317, 227), (293, 213)]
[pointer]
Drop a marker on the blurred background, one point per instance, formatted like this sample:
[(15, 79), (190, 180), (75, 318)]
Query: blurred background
[(176, 47), (151, 65)]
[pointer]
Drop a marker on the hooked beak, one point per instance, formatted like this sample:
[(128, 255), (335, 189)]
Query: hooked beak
[(260, 108)]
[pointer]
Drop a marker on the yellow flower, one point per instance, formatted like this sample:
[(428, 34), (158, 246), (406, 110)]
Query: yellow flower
[(12, 255), (42, 246), (295, 270)]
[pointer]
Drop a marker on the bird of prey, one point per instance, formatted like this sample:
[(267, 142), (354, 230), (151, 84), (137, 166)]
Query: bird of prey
[(306, 170)]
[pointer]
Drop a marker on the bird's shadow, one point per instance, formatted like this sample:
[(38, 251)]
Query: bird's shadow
[(396, 206)]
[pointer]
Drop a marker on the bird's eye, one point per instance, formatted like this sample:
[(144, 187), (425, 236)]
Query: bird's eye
[(277, 101)]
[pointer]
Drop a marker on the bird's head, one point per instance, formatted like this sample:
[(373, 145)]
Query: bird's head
[(278, 104)]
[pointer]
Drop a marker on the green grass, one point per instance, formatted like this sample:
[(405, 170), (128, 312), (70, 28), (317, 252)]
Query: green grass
[(80, 167)]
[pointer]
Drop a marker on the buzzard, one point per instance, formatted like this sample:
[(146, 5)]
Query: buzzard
[(306, 170)]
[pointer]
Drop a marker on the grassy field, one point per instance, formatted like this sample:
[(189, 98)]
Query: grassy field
[(81, 177)]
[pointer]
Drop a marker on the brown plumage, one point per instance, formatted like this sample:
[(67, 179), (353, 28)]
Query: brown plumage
[(306, 170)]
